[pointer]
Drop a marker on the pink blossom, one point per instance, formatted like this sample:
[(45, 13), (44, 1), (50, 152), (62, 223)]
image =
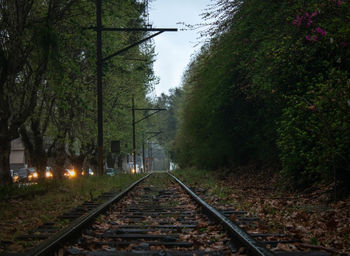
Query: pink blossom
[(308, 38), (307, 18), (314, 14), (312, 108), (311, 38), (321, 31), (298, 21), (343, 44)]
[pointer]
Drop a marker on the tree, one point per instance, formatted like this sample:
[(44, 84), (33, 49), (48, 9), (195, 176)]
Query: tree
[(270, 84), (28, 40), (48, 77), (165, 121)]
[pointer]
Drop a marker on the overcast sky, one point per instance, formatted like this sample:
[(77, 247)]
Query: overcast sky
[(174, 49)]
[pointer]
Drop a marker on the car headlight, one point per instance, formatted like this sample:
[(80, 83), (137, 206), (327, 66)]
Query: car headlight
[(35, 175), (72, 173), (48, 174)]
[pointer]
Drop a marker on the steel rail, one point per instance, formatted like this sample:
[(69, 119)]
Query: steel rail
[(244, 238), (77, 225)]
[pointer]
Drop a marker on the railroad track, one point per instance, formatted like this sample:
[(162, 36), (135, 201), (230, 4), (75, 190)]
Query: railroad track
[(157, 215)]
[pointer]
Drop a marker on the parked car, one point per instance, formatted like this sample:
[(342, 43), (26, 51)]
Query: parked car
[(32, 174), (48, 172), (25, 174), (137, 169), (70, 173), (131, 168), (14, 176), (89, 172), (21, 174), (111, 171)]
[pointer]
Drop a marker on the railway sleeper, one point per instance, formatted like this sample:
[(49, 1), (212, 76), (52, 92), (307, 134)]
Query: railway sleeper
[(151, 224), (146, 253)]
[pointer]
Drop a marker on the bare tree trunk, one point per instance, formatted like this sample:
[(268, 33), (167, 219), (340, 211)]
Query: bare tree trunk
[(78, 162), (40, 164), (5, 149), (60, 155), (34, 142), (60, 161)]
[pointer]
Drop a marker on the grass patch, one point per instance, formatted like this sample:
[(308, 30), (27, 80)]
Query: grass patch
[(193, 177), (17, 191), (196, 178), (22, 208), (161, 180), (206, 180)]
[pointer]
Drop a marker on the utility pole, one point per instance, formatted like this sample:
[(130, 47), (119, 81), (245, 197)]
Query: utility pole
[(143, 146), (133, 109), (143, 155), (99, 85), (151, 157), (100, 60), (133, 133)]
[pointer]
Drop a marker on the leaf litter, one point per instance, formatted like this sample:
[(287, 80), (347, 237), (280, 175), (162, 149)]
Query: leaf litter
[(309, 216), (205, 236)]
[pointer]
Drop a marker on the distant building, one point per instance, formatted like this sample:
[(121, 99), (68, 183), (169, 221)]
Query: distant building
[(18, 157)]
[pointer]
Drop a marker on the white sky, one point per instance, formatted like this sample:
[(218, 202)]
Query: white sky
[(174, 49)]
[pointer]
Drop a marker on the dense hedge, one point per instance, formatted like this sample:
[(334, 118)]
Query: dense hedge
[(272, 84)]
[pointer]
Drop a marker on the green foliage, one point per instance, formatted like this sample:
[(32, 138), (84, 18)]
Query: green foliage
[(69, 89), (48, 81), (165, 121), (272, 84), (314, 133)]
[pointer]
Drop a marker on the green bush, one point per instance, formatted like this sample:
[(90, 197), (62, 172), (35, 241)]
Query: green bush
[(314, 134), (272, 84)]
